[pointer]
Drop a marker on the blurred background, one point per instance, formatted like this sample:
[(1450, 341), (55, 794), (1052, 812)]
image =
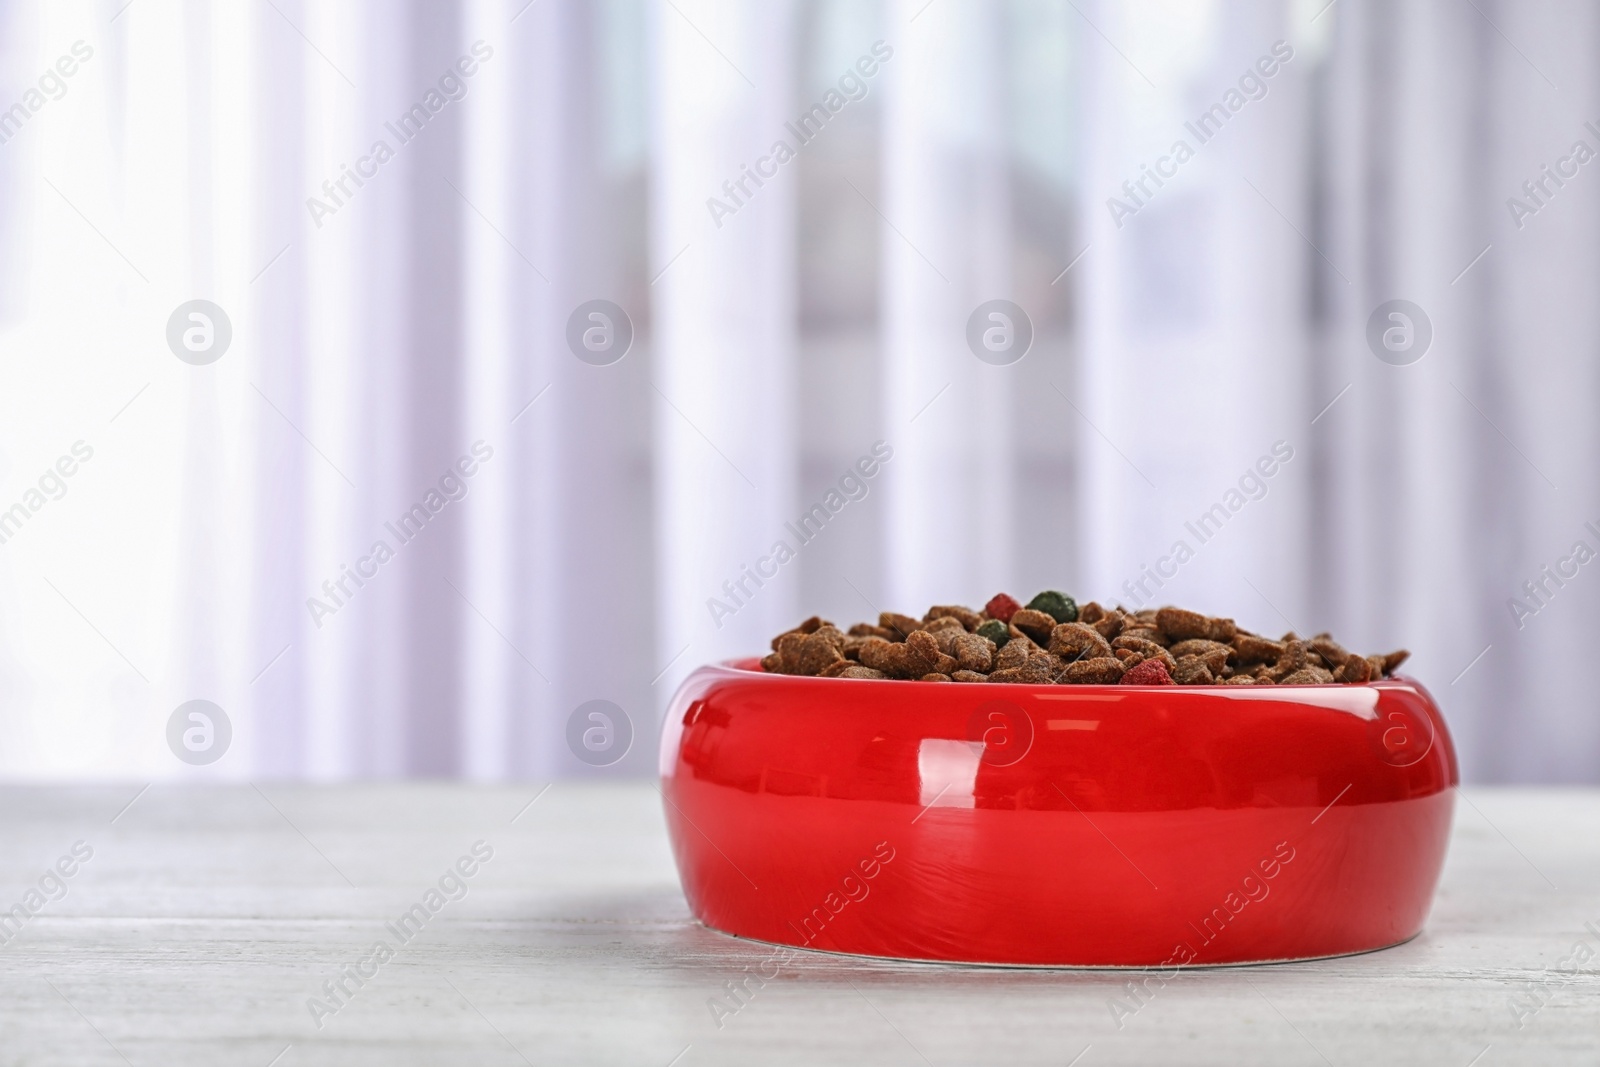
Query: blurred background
[(191, 507)]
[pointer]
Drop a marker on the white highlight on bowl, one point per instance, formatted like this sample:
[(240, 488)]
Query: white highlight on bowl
[(1358, 700), (948, 770)]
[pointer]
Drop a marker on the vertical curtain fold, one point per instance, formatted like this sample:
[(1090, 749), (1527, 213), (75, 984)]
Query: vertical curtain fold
[(946, 250), (722, 375)]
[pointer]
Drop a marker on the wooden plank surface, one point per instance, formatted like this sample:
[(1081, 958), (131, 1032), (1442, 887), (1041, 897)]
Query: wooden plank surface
[(207, 918)]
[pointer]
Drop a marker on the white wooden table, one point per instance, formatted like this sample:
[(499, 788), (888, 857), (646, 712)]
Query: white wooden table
[(206, 919)]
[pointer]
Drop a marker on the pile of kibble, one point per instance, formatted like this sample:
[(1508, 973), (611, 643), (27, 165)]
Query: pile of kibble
[(1052, 641)]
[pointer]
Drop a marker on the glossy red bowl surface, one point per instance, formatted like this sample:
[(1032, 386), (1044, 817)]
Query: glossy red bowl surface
[(1091, 826)]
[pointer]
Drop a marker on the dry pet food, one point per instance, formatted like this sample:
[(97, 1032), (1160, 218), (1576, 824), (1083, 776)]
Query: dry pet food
[(1052, 641)]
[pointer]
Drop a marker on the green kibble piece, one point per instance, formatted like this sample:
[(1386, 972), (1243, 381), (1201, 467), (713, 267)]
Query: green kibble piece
[(1059, 606), (996, 631)]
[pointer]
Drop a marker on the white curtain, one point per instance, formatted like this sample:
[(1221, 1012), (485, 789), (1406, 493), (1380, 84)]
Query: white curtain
[(723, 383), (1190, 330)]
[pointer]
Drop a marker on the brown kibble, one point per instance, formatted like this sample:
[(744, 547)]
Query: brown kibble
[(945, 638), (881, 655), (1179, 624), (1249, 648), (944, 623), (972, 652), (1018, 637), (917, 655), (968, 676), (935, 677), (1091, 613), (811, 653), (860, 672), (811, 625), (1295, 658), (806, 653), (1110, 624), (816, 655), (1392, 661), (902, 625), (1035, 624), (1308, 676), (866, 629), (788, 647), (1014, 655), (1041, 669), (1331, 651), (1038, 669), (924, 657), (1145, 633), (1101, 670), (1074, 640), (1214, 654), (1134, 650), (836, 668), (1354, 670), (1238, 679), (1200, 646), (1192, 671), (970, 620)]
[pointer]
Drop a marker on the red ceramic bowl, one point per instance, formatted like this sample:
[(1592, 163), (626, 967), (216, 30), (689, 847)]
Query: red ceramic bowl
[(1084, 826)]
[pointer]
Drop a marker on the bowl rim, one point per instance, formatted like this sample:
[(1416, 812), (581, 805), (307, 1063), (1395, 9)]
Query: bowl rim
[(738, 666)]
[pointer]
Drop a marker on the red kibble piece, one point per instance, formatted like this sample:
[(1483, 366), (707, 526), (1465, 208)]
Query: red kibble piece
[(1002, 607), (1150, 672)]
